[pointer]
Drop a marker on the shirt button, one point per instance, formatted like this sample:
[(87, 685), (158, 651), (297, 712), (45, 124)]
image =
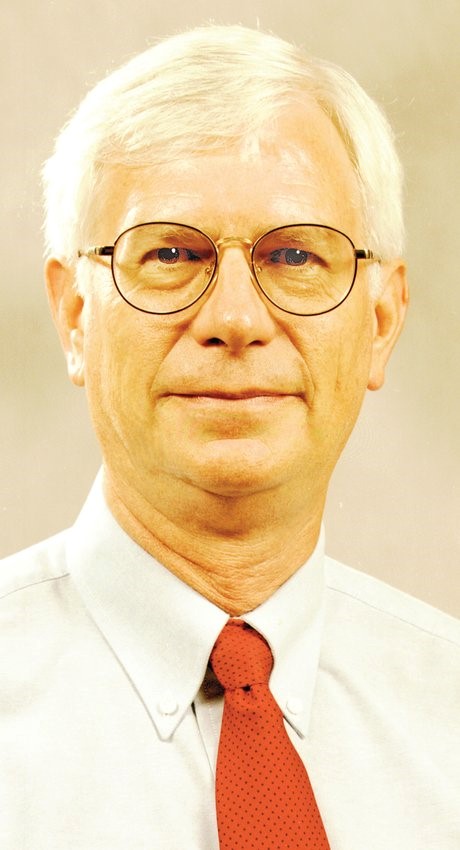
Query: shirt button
[(294, 705), (167, 705)]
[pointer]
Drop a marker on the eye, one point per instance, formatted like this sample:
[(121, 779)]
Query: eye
[(172, 255), (291, 256)]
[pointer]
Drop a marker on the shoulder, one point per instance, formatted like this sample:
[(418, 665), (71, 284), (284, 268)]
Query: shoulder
[(32, 567), (39, 622), (387, 607), (392, 654)]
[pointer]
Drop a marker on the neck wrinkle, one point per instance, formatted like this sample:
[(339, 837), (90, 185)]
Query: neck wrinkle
[(235, 571)]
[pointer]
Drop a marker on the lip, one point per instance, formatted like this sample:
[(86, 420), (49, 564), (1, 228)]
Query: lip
[(234, 396)]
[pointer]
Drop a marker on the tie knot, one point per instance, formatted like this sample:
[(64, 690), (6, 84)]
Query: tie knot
[(241, 656)]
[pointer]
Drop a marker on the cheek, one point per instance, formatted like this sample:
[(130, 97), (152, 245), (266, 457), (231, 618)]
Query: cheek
[(353, 361), (124, 350), (337, 352)]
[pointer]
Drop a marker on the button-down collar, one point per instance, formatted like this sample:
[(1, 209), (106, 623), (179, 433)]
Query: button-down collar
[(291, 621), (162, 631)]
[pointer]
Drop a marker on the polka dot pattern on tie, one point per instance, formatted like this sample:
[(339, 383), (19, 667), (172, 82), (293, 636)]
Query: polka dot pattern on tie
[(264, 798)]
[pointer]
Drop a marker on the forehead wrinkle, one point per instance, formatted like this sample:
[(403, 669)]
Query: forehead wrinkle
[(309, 158), (224, 218)]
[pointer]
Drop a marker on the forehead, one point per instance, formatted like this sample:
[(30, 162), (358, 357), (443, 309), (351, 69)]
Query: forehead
[(297, 170)]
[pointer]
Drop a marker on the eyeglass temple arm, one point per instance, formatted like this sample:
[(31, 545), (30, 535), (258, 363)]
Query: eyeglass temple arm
[(105, 251), (367, 254)]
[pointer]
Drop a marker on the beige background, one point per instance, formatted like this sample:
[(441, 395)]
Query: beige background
[(394, 504)]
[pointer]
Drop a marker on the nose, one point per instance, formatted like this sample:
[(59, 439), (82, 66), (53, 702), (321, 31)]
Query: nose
[(234, 314)]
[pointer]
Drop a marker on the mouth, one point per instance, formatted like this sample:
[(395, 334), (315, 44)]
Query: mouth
[(243, 403), (241, 395), (241, 399)]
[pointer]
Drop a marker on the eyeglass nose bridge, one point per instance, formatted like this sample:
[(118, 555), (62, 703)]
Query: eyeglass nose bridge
[(229, 242)]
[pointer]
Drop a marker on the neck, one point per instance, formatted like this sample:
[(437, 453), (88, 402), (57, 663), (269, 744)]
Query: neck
[(234, 552)]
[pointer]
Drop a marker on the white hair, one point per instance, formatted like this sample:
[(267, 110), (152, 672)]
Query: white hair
[(201, 91)]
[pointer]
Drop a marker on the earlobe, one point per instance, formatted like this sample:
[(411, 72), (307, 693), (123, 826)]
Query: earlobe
[(389, 314), (67, 311)]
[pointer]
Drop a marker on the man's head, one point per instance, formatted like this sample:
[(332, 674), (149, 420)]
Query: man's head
[(232, 133)]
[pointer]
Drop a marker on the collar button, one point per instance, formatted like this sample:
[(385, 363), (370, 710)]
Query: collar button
[(294, 705), (167, 705)]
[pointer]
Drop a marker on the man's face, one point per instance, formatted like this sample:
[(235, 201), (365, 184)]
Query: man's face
[(231, 396)]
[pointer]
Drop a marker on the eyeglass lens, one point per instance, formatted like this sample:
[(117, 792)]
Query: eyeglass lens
[(164, 267)]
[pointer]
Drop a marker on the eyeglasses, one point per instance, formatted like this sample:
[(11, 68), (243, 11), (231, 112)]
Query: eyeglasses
[(162, 267)]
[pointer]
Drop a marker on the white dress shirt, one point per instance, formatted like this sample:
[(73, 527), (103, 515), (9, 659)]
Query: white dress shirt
[(108, 740)]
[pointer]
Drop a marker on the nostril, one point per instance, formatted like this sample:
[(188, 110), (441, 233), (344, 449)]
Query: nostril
[(214, 341)]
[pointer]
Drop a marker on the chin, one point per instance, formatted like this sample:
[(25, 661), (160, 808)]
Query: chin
[(236, 468)]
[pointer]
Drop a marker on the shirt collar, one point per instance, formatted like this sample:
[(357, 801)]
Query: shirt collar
[(291, 621), (162, 631)]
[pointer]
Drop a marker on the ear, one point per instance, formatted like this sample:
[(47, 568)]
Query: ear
[(67, 311), (389, 314)]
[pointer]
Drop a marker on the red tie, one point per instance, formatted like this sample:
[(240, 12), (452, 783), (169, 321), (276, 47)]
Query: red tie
[(263, 795)]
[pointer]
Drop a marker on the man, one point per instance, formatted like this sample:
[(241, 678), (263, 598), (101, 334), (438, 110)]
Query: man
[(224, 269)]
